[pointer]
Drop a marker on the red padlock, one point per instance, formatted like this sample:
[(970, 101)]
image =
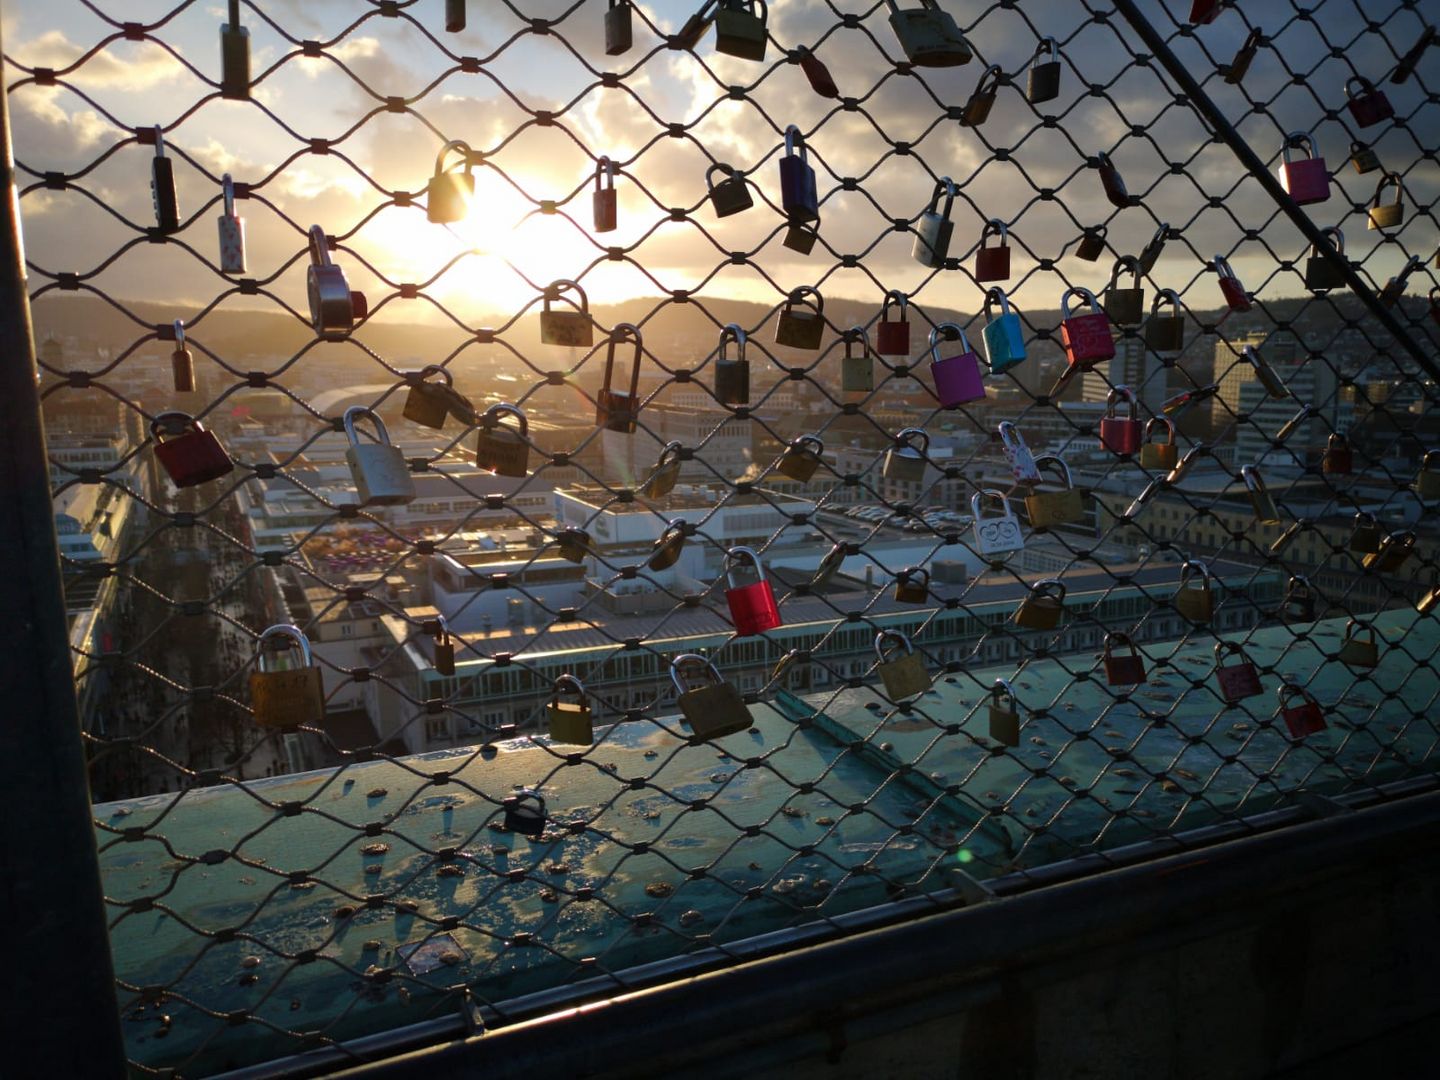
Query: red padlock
[(993, 263), (1235, 296), (1304, 719), (1086, 338), (1307, 180), (752, 607), (1121, 435), (818, 74), (190, 454), (893, 338), (1239, 680), (1203, 12), (1368, 105)]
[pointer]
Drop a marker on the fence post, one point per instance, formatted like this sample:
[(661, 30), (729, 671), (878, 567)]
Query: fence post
[(60, 1016)]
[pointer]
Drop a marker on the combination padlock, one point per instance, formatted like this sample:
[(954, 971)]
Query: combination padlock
[(1339, 458), (828, 566), (1046, 509), (1092, 243), (1044, 79), (1365, 534), (1004, 337), (1307, 180), (958, 379), (381, 476), (713, 707), (443, 649), (1121, 435), (455, 16), (1427, 480), (619, 35), (1367, 103), (1239, 67), (800, 237), (232, 231), (904, 676), (801, 458), (182, 364), (449, 194), (1261, 501), (1239, 680), (618, 410), (929, 35), (892, 336), (666, 472), (732, 376), (912, 585), (993, 263), (1017, 453), (290, 696), (1160, 455), (189, 454), (428, 403), (1359, 647), (1150, 254), (1394, 551), (753, 609), (499, 449), (1086, 338), (934, 229), (1320, 273), (1043, 605), (1111, 182), (573, 329), (573, 544), (524, 813), (797, 179), (905, 461), (732, 194), (1195, 598), (569, 722), (234, 57), (1265, 375), (1387, 215), (817, 74), (162, 187), (801, 327), (1363, 158), (1125, 307), (665, 552), (857, 373), (1004, 727), (1303, 719), (1236, 298), (740, 28), (1122, 669), (604, 205), (1165, 333), (334, 307), (1298, 604), (982, 98), (995, 534)]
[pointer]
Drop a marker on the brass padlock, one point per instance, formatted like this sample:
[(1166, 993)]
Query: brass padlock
[(502, 450), (982, 98), (1291, 426), (570, 328), (732, 194), (661, 480), (1126, 307), (1430, 602), (182, 364), (1043, 605), (1163, 454), (1266, 513), (1366, 534), (801, 458), (801, 328), (1044, 79), (712, 708), (1294, 529), (455, 16), (290, 697), (800, 236), (1358, 651), (732, 376), (929, 35), (1427, 480), (665, 552), (1047, 509), (449, 194), (740, 28), (904, 677), (912, 585), (570, 722), (429, 403), (1394, 551), (857, 373), (443, 649), (1236, 69), (905, 461), (1195, 599), (1004, 714), (1387, 215), (1165, 333), (1363, 158)]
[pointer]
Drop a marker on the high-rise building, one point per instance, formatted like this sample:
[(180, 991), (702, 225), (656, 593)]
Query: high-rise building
[(1245, 407), (1134, 366)]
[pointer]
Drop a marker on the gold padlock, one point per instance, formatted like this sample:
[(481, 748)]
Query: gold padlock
[(1394, 550), (661, 480), (801, 458), (1043, 605), (1004, 714), (799, 328), (1266, 512), (1357, 651), (499, 449), (1427, 480), (912, 585), (1049, 508), (572, 328), (666, 551), (1159, 455), (570, 721), (713, 708), (1195, 599), (289, 697), (904, 677)]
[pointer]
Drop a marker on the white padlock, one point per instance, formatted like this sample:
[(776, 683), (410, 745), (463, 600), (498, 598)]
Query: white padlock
[(1022, 462), (232, 232), (381, 476), (996, 534)]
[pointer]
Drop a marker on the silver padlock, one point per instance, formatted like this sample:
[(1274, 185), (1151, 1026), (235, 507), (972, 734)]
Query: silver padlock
[(995, 534), (934, 229), (905, 461), (334, 308), (182, 364), (929, 35), (1017, 453), (232, 232), (381, 476)]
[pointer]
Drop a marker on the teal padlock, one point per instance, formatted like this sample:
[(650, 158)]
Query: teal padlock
[(1003, 335)]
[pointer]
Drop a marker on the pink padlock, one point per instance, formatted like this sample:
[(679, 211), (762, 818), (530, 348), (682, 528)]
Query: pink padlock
[(1087, 338), (1235, 296), (957, 378), (1121, 434), (752, 607), (1307, 180)]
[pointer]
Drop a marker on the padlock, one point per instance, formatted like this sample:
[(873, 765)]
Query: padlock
[(1294, 529), (803, 327), (732, 376), (828, 566), (334, 307), (449, 194), (993, 263), (958, 379), (934, 229), (1004, 336), (1046, 509), (1387, 215), (502, 450), (1086, 338), (661, 480), (1122, 670), (1187, 462), (1121, 434), (1092, 243), (570, 328), (1173, 406), (694, 27), (1236, 70), (892, 337), (1430, 602), (1195, 598), (1044, 79), (1203, 12), (1357, 650), (1266, 512), (1150, 254), (234, 57), (569, 722), (801, 458), (1043, 605), (1239, 680), (929, 35), (904, 677), (1234, 293), (912, 585), (857, 373), (289, 697), (1159, 454), (1366, 535), (1367, 103), (1303, 719), (455, 16), (1265, 375), (713, 708), (604, 206), (232, 231), (617, 410), (1022, 462), (443, 649), (1363, 158), (982, 99), (1393, 552), (665, 552), (752, 607), (1307, 180), (1395, 287), (731, 195), (818, 75), (1339, 459), (381, 476), (189, 454), (573, 544), (619, 35), (162, 187), (1111, 182), (182, 364), (1125, 307), (1320, 272), (797, 179), (1165, 333), (997, 534), (524, 813), (801, 237), (905, 461), (1004, 714), (1298, 603), (740, 28), (1294, 424), (1406, 67), (1427, 480), (429, 403)]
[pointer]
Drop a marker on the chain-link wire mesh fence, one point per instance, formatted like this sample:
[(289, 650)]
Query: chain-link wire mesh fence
[(659, 432)]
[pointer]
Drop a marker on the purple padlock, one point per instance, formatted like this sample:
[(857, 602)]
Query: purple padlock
[(957, 378)]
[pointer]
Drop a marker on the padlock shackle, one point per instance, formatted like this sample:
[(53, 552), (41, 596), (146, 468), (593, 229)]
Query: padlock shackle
[(732, 332), (735, 555), (605, 169), (288, 630), (994, 226), (1166, 424), (159, 140), (692, 660), (667, 452), (1337, 441), (1116, 395), (1052, 586), (227, 194), (1366, 86), (676, 526), (1001, 689), (567, 682), (729, 171), (944, 186), (1355, 626), (1166, 296), (978, 499), (1254, 482), (179, 330), (999, 294), (1119, 637), (442, 630), (1084, 294), (454, 144), (885, 636), (793, 139), (1298, 586), (1287, 690), (431, 369), (905, 436), (172, 419), (1010, 435), (618, 333), (797, 296), (1224, 647), (900, 299), (861, 334), (1389, 178), (1125, 262), (1057, 463), (994, 73), (1222, 267), (355, 412), (1047, 44), (1189, 568), (490, 419), (936, 336), (813, 440), (1297, 140), (555, 288), (914, 574), (319, 246), (829, 563)]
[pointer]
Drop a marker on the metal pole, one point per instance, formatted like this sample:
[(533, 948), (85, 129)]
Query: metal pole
[(1210, 113), (60, 1016)]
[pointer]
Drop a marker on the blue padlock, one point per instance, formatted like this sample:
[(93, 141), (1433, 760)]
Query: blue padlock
[(797, 180), (1003, 335)]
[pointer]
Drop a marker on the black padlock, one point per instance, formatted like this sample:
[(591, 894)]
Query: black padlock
[(454, 16), (1151, 254), (797, 179), (740, 28), (1165, 333), (616, 410), (732, 376), (731, 195), (618, 34), (1235, 70), (1044, 81), (934, 229), (1092, 243), (443, 648), (162, 187), (1320, 272), (801, 237), (429, 403), (234, 57), (1126, 307), (603, 204), (982, 98), (1363, 158)]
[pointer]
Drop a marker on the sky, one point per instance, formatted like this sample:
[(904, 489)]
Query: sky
[(492, 262)]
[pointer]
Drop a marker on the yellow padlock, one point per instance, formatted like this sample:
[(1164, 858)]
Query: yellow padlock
[(1159, 454), (570, 721)]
